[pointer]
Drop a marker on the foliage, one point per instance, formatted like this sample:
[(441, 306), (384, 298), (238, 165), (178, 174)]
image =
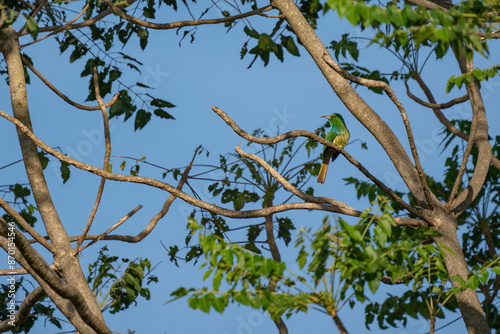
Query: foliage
[(117, 288)]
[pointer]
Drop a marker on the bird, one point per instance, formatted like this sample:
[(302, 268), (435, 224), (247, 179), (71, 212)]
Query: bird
[(338, 135)]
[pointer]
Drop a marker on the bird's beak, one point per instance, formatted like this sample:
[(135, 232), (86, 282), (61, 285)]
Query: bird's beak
[(327, 117)]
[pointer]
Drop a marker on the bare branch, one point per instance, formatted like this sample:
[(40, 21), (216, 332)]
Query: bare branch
[(435, 105), (179, 24), (442, 4), (64, 97), (480, 138), (187, 198), (390, 93), (83, 24), (107, 155), (297, 133), (24, 224), (465, 158), (111, 229)]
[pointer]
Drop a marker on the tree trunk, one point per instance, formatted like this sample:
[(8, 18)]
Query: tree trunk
[(468, 301), (67, 264)]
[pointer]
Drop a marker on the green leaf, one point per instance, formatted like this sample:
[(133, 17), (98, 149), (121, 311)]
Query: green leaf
[(252, 33), (32, 27), (163, 114), (289, 44), (65, 171), (142, 118)]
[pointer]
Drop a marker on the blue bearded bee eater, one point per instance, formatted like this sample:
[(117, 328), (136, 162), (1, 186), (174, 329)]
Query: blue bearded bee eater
[(338, 135)]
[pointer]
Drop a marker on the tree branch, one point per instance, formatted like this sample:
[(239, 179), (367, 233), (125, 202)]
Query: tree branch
[(440, 116), (58, 30), (189, 199), (180, 24), (435, 105), (390, 93), (480, 138), (24, 224), (36, 265), (64, 97), (297, 192), (107, 155)]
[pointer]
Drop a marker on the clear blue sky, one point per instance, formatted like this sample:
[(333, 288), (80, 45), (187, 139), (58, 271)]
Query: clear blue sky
[(291, 95)]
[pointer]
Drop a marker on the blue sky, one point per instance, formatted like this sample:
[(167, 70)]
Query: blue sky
[(290, 95)]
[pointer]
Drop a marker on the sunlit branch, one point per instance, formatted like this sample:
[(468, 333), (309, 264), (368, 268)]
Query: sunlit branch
[(154, 221), (465, 158), (180, 24), (390, 93), (64, 97), (36, 265), (300, 133), (107, 155), (187, 198)]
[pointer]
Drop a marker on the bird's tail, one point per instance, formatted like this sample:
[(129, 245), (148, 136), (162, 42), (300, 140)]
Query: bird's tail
[(322, 172)]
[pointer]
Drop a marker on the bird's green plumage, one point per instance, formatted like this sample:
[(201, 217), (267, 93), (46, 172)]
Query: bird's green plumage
[(338, 135)]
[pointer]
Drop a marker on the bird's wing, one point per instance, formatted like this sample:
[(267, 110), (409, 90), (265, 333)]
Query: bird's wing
[(328, 151)]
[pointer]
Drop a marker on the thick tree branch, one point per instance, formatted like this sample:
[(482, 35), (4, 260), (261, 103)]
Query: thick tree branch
[(180, 24), (69, 268), (390, 93), (480, 138), (107, 155)]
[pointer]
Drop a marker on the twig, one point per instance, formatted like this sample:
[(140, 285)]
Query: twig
[(64, 97), (33, 14), (111, 229), (107, 155), (58, 30), (390, 93), (179, 24)]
